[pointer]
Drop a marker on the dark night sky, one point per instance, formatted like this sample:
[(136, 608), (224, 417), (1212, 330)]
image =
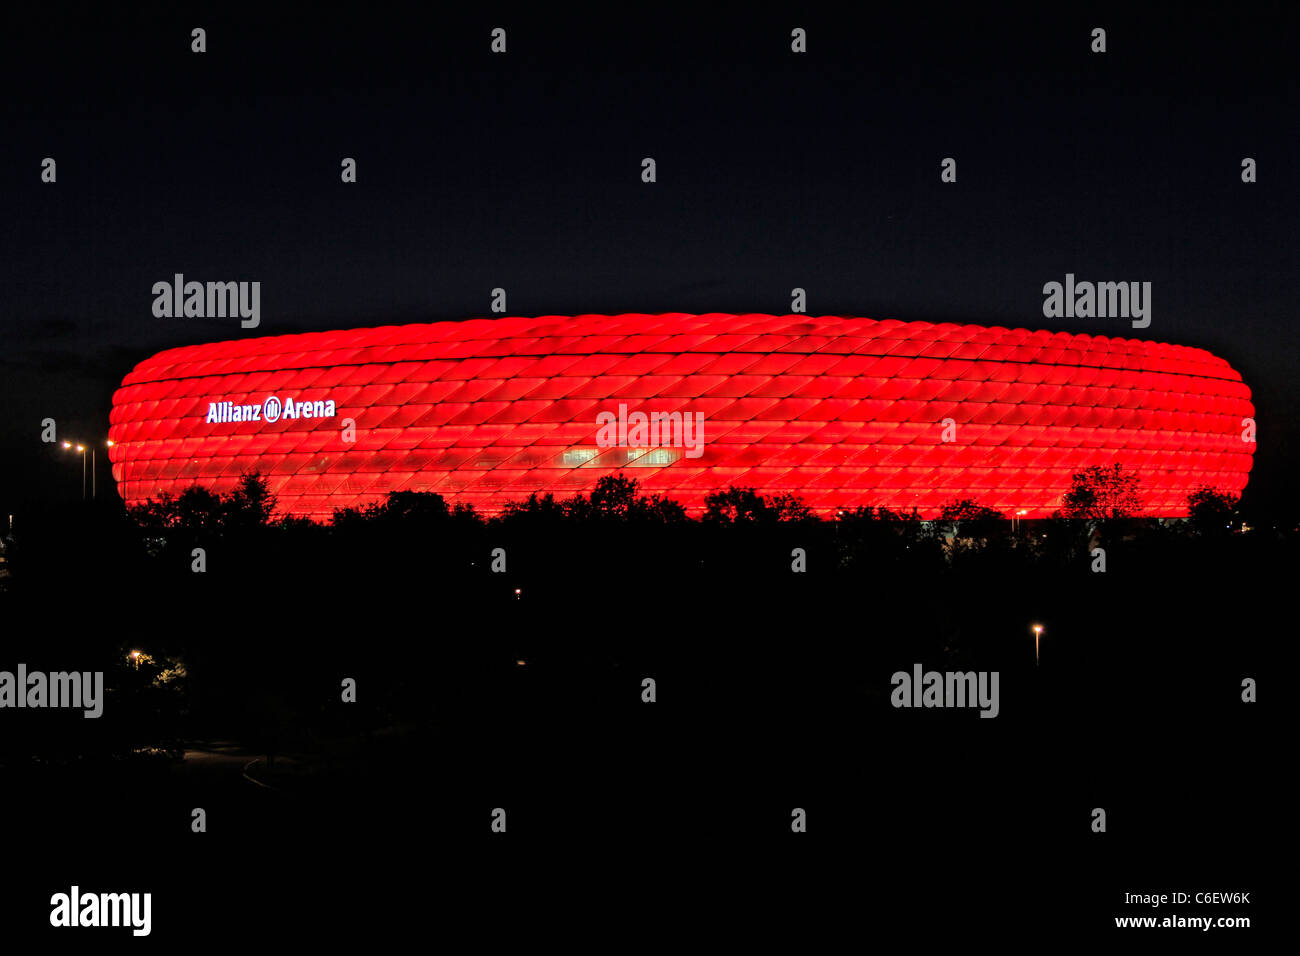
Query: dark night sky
[(523, 171)]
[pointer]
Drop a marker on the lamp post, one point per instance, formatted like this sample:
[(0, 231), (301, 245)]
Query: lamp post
[(1038, 630), (81, 449), (108, 443)]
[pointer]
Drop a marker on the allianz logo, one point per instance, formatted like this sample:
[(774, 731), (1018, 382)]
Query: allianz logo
[(271, 410)]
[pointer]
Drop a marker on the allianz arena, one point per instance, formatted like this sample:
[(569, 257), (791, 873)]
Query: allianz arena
[(841, 411)]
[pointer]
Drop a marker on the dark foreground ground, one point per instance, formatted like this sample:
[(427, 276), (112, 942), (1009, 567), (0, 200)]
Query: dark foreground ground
[(672, 820)]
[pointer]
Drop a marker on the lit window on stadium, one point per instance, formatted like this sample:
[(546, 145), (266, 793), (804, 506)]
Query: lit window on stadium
[(575, 457)]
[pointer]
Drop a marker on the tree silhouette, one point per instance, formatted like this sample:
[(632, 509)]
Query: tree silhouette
[(747, 506), (790, 507), (1210, 511), (967, 518), (1101, 494), (199, 510), (736, 506), (661, 510), (874, 538), (250, 505), (614, 497), (534, 508)]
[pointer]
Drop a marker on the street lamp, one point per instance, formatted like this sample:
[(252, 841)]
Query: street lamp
[(81, 450), (1038, 630)]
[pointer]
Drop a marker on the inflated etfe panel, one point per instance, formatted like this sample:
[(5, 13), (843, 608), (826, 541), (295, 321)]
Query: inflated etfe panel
[(842, 411)]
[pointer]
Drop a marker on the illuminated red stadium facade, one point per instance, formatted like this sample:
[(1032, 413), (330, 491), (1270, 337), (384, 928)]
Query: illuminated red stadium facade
[(842, 411)]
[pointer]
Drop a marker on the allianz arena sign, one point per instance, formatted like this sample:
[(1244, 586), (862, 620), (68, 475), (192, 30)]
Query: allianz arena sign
[(271, 410)]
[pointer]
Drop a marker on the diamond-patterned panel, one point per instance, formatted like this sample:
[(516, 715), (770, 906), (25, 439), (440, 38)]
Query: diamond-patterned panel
[(842, 411)]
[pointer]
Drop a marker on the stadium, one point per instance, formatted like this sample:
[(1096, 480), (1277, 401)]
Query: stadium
[(843, 412)]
